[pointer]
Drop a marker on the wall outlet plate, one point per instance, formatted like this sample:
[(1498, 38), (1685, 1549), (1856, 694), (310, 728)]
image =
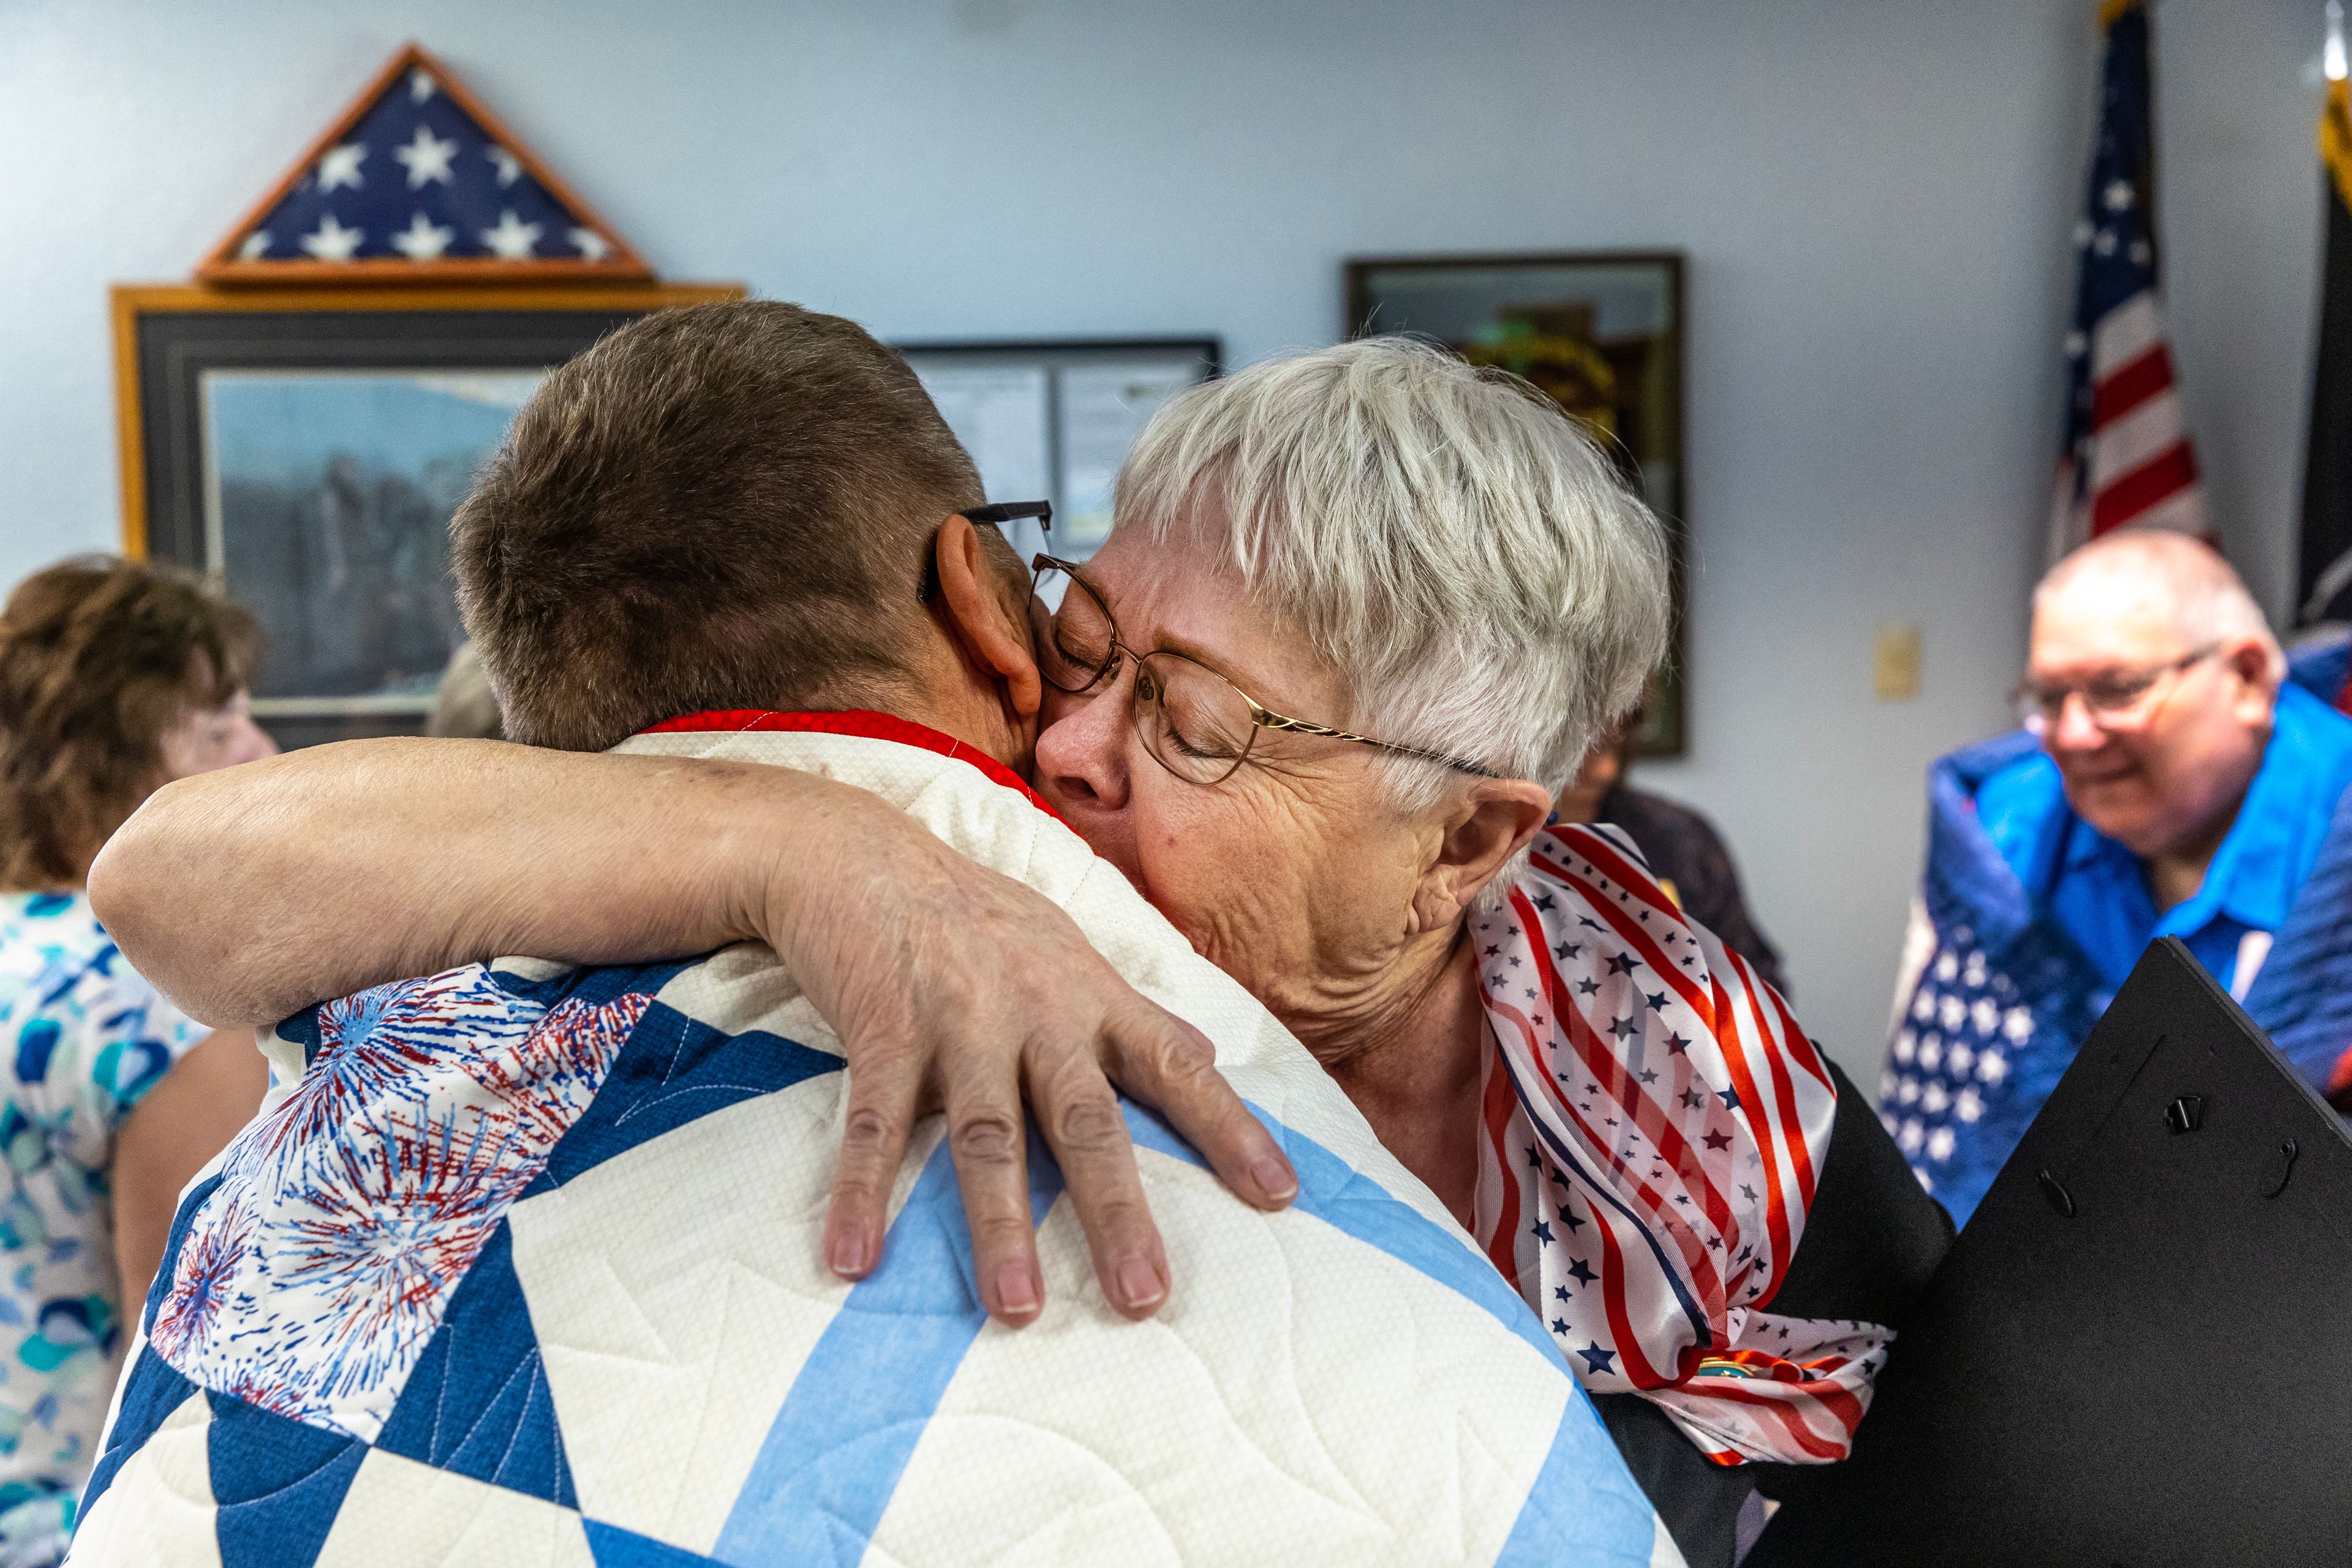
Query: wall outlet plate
[(1895, 662)]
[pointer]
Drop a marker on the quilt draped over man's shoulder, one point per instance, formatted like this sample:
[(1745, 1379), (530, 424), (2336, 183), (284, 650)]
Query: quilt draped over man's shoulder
[(525, 1270)]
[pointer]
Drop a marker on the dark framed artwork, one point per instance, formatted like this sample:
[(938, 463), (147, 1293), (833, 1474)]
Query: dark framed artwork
[(1599, 331), (307, 447), (1052, 419)]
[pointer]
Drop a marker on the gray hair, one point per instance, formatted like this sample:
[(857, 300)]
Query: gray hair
[(2206, 598), (1457, 547)]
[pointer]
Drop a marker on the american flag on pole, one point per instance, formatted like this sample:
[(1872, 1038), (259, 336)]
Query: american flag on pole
[(2126, 458)]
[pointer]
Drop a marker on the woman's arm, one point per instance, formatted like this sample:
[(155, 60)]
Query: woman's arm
[(206, 1099), (247, 893), (244, 895)]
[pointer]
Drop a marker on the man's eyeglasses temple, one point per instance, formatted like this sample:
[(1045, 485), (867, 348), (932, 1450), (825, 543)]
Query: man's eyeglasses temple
[(995, 516), (1004, 512)]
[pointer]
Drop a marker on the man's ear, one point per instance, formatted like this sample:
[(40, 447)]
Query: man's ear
[(2259, 670), (1481, 826), (983, 600)]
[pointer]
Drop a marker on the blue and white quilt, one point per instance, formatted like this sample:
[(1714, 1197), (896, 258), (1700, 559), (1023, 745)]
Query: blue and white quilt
[(525, 1270)]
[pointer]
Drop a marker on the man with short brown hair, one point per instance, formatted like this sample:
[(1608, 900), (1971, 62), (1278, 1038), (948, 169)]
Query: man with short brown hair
[(719, 507)]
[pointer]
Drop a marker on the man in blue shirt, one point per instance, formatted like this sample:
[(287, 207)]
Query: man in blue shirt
[(2170, 782)]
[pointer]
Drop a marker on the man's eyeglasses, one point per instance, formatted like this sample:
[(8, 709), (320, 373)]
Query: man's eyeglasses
[(996, 516), (1195, 724), (2113, 701), (1004, 512)]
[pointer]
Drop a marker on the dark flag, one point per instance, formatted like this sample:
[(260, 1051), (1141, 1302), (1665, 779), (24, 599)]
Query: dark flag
[(2325, 582)]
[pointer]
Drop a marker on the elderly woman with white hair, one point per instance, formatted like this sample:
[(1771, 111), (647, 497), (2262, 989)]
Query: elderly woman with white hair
[(1362, 612)]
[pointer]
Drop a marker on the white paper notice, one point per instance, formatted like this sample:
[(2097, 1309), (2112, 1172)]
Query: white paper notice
[(1103, 408), (998, 411)]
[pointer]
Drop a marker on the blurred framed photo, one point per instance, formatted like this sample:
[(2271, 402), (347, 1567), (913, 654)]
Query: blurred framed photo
[(308, 445), (1053, 420), (1600, 333)]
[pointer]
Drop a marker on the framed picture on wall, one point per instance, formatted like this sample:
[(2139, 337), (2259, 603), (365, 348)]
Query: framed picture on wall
[(307, 447), (1601, 333), (1053, 420)]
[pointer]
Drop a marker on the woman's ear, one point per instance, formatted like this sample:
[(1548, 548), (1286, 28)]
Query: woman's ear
[(983, 606), (1482, 827)]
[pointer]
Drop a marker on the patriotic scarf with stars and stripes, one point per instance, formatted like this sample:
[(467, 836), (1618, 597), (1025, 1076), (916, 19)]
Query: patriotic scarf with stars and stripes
[(1654, 1123)]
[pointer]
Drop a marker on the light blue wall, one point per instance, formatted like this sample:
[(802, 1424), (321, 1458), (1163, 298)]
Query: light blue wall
[(1875, 196)]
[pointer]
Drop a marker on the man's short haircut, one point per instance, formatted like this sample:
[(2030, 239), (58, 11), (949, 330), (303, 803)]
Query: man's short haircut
[(99, 659), (1459, 550), (2209, 601), (728, 506)]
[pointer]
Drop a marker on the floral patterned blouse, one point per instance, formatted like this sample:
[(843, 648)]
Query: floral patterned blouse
[(82, 1038)]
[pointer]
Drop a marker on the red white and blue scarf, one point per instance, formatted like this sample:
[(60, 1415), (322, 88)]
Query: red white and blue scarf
[(1654, 1123)]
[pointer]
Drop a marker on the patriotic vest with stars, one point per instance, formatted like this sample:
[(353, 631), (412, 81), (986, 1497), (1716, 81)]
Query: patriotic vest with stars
[(1654, 1122)]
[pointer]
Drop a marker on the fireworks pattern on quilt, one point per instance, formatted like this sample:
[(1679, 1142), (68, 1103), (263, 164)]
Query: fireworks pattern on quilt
[(314, 1276)]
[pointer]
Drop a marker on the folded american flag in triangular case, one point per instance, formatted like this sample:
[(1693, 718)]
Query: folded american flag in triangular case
[(418, 182)]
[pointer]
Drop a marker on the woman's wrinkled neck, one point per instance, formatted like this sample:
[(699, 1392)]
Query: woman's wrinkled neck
[(1399, 1035), (1407, 1055)]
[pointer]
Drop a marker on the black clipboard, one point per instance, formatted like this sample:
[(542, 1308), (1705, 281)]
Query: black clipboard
[(2139, 1350)]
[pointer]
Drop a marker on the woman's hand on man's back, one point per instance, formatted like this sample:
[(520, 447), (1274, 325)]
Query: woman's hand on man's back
[(953, 987)]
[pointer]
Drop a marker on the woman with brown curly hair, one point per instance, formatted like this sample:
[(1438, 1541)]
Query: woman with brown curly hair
[(115, 679)]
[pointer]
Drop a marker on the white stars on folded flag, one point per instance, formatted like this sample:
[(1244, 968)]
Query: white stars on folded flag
[(423, 239), (426, 158), (331, 241), (417, 175), (341, 167), (512, 239)]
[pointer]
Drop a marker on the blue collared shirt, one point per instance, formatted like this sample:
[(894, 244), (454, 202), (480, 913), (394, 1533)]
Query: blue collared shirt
[(2098, 891)]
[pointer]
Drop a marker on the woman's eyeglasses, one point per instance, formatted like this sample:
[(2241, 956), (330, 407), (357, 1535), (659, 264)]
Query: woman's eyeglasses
[(1195, 724), (2114, 701)]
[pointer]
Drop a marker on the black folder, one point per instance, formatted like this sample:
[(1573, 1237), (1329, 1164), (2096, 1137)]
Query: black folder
[(2139, 1350)]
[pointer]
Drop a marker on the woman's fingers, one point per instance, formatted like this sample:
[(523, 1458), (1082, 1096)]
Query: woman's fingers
[(1173, 1067), (986, 1138), (1078, 1113), (950, 982), (886, 1081)]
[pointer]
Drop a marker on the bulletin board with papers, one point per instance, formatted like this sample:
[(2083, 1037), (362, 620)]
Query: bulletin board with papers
[(1053, 420)]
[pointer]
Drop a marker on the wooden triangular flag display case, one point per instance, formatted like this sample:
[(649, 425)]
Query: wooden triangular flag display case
[(301, 422), (418, 183)]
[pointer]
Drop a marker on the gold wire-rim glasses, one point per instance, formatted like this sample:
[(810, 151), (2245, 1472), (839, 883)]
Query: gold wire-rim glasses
[(1105, 668)]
